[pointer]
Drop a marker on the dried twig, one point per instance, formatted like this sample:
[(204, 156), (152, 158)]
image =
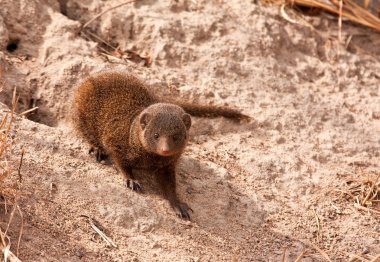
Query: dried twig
[(100, 40), (323, 253), (285, 15), (7, 253), (300, 256), (283, 256), (358, 206), (364, 258), (105, 11), (19, 167), (21, 229), (29, 111), (101, 234), (340, 25), (318, 224)]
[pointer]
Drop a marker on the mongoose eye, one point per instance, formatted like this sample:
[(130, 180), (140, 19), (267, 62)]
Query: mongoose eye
[(156, 135)]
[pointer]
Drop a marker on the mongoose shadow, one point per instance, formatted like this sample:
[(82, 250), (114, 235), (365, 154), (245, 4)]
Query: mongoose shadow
[(210, 190), (122, 119), (220, 126)]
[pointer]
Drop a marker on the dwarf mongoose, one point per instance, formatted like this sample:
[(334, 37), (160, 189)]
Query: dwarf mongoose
[(121, 118)]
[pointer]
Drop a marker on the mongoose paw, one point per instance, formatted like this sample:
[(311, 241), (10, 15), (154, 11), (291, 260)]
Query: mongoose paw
[(133, 185), (182, 210), (99, 154)]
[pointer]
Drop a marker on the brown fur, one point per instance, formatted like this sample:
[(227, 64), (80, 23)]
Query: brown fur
[(119, 117)]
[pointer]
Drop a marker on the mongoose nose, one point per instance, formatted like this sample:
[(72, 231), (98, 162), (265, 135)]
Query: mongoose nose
[(165, 152)]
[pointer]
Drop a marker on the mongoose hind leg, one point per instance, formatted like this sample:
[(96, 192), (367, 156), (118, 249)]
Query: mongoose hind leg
[(166, 180), (100, 154), (182, 210)]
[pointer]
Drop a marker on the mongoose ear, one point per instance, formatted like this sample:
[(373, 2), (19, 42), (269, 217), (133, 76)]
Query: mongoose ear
[(186, 120), (144, 119)]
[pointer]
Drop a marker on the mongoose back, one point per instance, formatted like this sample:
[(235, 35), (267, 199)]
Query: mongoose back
[(120, 118)]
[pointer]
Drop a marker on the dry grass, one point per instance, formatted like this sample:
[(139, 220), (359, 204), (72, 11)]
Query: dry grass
[(365, 192), (9, 194), (365, 195), (365, 258), (342, 8), (6, 143), (308, 253)]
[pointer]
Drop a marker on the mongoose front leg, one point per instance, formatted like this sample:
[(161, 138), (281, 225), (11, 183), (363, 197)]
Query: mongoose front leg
[(100, 154), (167, 182), (126, 170), (133, 184)]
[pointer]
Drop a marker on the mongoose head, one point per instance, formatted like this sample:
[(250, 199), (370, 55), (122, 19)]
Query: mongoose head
[(164, 129)]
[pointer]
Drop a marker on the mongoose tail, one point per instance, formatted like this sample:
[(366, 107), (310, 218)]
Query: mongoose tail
[(199, 110)]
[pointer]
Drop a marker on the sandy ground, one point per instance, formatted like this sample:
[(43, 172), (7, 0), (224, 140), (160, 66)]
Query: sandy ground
[(258, 189)]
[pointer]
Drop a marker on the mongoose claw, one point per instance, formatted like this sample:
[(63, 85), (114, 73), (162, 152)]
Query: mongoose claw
[(91, 150), (133, 185), (182, 210), (100, 155)]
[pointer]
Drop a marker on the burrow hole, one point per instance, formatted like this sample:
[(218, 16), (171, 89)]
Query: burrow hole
[(13, 45)]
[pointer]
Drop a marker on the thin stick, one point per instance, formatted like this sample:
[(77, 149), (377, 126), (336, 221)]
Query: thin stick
[(101, 40), (97, 230), (318, 225), (2, 235), (286, 16), (358, 206), (104, 236), (21, 230), (323, 253), (105, 11), (300, 256), (10, 218), (8, 255), (101, 48), (340, 24), (354, 257), (19, 167), (348, 41), (283, 256), (28, 111)]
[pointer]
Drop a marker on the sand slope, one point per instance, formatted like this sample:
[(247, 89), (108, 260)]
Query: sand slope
[(256, 188)]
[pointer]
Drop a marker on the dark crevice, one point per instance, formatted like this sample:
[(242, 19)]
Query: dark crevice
[(41, 115), (13, 45), (63, 7)]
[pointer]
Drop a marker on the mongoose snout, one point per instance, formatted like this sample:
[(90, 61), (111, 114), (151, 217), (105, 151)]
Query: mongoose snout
[(164, 129)]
